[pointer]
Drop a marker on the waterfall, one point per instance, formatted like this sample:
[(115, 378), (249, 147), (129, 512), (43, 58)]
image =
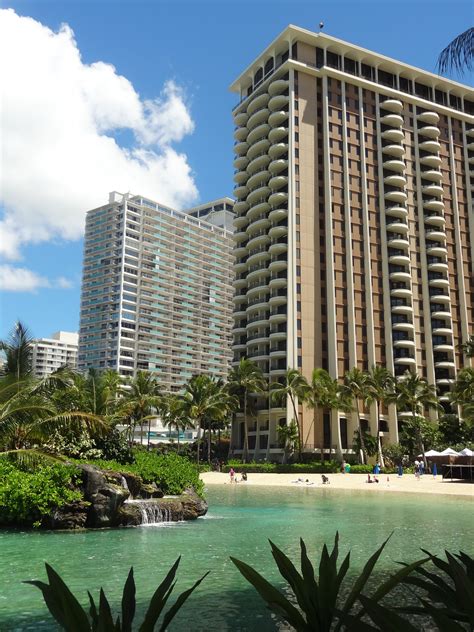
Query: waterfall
[(124, 482), (151, 511)]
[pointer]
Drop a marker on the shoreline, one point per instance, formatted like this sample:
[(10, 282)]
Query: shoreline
[(406, 484)]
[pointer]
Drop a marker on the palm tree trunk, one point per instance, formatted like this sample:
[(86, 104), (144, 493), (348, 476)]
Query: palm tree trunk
[(177, 430), (198, 441), (330, 437), (295, 412), (246, 436), (379, 438), (361, 434), (421, 445), (209, 442), (149, 430)]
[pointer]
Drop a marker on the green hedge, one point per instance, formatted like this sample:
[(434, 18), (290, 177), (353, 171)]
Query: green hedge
[(171, 472), (328, 467), (28, 497)]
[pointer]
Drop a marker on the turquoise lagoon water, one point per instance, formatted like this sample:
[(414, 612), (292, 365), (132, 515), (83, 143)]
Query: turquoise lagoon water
[(239, 522)]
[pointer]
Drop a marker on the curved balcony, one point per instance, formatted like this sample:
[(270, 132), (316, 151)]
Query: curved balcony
[(396, 196), (407, 361), (278, 86), (277, 283), (241, 177), (434, 204), (437, 266), (239, 236), (440, 298), (240, 207), (278, 102), (240, 221), (258, 102), (241, 133), (276, 301), (278, 249), (239, 299), (395, 135), (277, 182), (259, 270), (432, 189), (259, 337), (431, 160), (398, 242), (277, 134), (400, 276), (258, 240), (276, 353), (401, 292), (403, 327), (256, 304), (444, 347), (442, 282), (431, 118), (260, 223), (276, 166), (258, 117), (429, 131), (401, 260), (240, 266), (239, 251), (445, 364), (240, 118), (277, 198), (241, 191), (397, 227), (392, 105), (259, 256), (278, 215), (277, 265), (261, 131), (258, 320), (404, 344), (276, 232), (241, 162), (435, 220), (239, 347), (470, 146), (397, 211), (278, 117), (395, 181), (278, 317), (433, 233), (258, 179), (394, 165), (430, 145), (261, 288), (260, 206), (432, 174), (441, 315), (258, 194), (258, 148), (277, 335), (275, 151), (442, 331), (402, 309), (394, 150), (436, 251), (239, 283), (393, 120), (239, 314), (258, 163), (241, 148)]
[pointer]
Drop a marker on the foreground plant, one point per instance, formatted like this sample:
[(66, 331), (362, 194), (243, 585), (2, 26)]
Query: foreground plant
[(72, 617), (320, 606)]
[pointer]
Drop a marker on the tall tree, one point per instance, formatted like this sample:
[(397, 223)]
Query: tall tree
[(462, 393), (468, 347), (381, 384), (246, 379), (356, 385), (414, 394), (140, 402), (458, 56), (18, 349), (174, 414), (294, 387)]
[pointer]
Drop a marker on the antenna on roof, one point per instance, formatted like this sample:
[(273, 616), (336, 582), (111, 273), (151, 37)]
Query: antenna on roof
[(321, 25)]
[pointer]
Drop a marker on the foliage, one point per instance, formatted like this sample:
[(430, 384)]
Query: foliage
[(330, 467), (78, 444), (468, 346), (18, 352), (72, 617), (453, 430), (370, 443), (289, 437), (295, 388), (171, 472), (358, 468), (323, 604), (27, 497), (416, 429), (395, 455), (458, 56), (463, 393)]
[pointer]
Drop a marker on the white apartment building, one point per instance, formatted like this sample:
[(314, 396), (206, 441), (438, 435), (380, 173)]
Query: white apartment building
[(50, 354)]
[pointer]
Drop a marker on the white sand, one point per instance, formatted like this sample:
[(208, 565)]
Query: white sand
[(407, 483)]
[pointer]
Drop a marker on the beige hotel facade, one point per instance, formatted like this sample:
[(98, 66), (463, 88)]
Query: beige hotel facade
[(354, 227)]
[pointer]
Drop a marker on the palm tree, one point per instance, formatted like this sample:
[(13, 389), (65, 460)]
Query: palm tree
[(413, 394), (462, 393), (246, 379), (356, 385), (18, 351), (295, 387), (458, 55), (468, 347), (323, 392), (140, 402), (173, 413), (288, 435), (381, 384)]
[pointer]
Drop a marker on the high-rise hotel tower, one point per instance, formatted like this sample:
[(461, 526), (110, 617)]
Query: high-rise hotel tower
[(157, 289), (354, 228)]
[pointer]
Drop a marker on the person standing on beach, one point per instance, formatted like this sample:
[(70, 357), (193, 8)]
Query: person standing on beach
[(232, 474)]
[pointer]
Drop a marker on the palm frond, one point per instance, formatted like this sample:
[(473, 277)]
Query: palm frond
[(458, 56), (31, 457)]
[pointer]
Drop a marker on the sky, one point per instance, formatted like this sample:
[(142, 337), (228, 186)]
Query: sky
[(134, 96)]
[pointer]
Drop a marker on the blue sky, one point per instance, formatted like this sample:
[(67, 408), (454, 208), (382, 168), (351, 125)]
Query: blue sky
[(201, 47)]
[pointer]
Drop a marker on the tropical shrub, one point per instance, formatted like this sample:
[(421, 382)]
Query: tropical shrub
[(72, 617), (28, 497), (330, 467)]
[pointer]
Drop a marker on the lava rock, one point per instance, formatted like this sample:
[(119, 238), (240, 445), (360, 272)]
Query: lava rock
[(150, 491), (71, 516)]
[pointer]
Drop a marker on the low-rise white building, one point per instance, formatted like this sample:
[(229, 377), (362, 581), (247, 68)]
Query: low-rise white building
[(50, 354)]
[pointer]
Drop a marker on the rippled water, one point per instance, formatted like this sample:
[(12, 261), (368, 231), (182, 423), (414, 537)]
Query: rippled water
[(239, 522)]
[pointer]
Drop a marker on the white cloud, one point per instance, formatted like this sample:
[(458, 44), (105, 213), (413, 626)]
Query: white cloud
[(14, 279), (58, 152)]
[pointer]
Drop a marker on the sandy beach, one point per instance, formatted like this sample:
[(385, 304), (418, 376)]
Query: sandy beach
[(407, 483)]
